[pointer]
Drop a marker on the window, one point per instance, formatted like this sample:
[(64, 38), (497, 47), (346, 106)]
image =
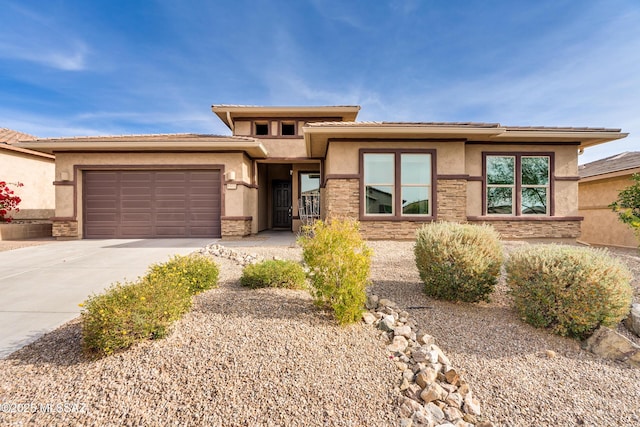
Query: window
[(262, 128), (309, 202), (287, 129), (397, 184), (517, 184)]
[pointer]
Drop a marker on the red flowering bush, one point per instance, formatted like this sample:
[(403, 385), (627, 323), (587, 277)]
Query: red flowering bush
[(8, 201)]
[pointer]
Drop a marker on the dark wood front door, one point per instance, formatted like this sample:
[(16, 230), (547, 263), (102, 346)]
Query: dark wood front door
[(282, 204)]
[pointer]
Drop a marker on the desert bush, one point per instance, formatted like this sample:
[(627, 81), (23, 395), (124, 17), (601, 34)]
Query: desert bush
[(274, 274), (339, 262), (197, 272), (570, 290), (131, 312), (458, 262)]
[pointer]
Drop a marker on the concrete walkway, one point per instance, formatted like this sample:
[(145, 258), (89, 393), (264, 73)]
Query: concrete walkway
[(41, 286)]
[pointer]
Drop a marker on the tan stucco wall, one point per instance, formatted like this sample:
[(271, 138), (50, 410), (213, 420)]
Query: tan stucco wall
[(566, 165), (344, 157), (601, 226), (37, 175), (238, 202)]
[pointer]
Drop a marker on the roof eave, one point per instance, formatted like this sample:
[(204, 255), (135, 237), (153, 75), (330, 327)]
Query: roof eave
[(319, 134), (585, 138), (227, 113), (253, 148)]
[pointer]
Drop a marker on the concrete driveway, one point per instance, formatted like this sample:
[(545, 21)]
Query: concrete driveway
[(41, 286)]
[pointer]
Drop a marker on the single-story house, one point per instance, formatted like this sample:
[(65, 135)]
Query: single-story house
[(34, 169), (600, 183), (282, 165)]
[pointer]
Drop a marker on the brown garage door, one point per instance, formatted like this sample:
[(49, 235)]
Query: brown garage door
[(151, 203)]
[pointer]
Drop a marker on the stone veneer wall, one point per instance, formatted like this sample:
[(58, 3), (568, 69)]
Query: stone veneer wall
[(342, 198), (234, 227), (390, 230), (452, 200), (65, 229), (535, 229)]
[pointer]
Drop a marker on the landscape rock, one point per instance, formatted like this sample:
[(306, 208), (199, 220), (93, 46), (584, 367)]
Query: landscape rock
[(426, 377), (404, 331), (606, 342), (368, 318), (386, 324), (433, 392), (398, 345), (435, 411), (632, 322), (471, 405), (372, 302)]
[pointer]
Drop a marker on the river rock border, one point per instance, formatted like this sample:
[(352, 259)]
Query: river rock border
[(434, 392)]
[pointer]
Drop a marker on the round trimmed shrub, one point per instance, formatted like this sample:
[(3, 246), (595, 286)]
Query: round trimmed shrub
[(199, 273), (274, 274), (570, 290), (458, 262)]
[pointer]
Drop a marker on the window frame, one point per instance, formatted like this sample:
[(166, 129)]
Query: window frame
[(518, 186), (397, 185), (261, 123), (283, 123)]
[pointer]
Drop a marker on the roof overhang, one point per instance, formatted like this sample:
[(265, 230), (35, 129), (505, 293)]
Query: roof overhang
[(229, 113), (318, 135), (609, 175), (33, 153), (152, 143)]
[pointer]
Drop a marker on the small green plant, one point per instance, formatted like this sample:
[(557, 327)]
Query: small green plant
[(570, 290), (131, 312), (339, 262), (197, 272), (127, 313), (628, 206), (274, 274), (458, 262)]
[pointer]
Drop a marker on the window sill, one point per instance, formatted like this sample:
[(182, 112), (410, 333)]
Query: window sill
[(395, 218), (524, 218)]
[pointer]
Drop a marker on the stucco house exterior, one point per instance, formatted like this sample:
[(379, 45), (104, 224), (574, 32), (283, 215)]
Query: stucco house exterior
[(600, 183), (34, 169), (281, 165)]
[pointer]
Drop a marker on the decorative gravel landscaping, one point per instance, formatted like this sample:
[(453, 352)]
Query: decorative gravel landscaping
[(269, 357)]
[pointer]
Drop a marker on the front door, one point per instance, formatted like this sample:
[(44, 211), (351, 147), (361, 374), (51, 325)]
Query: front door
[(282, 204)]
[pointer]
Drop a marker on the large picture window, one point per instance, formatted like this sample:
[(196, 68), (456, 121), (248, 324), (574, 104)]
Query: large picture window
[(517, 184), (397, 184)]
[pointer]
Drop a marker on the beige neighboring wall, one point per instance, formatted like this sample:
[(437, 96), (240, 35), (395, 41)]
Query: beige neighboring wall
[(239, 197), (601, 225), (36, 172)]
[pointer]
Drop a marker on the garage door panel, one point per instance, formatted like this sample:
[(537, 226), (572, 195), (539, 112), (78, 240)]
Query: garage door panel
[(142, 204)]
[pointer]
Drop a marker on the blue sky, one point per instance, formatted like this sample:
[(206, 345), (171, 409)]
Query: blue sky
[(70, 68)]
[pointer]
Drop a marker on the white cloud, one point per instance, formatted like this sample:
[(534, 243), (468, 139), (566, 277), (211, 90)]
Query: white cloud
[(28, 36)]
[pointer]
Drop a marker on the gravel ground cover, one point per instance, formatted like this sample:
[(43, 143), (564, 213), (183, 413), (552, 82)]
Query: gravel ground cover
[(241, 358), (506, 361), (269, 357)]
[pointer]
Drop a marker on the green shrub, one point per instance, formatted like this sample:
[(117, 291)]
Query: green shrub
[(198, 272), (274, 274), (458, 262), (339, 263), (130, 312), (570, 290)]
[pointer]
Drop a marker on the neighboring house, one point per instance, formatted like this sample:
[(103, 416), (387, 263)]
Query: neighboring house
[(34, 169), (393, 177), (600, 183)]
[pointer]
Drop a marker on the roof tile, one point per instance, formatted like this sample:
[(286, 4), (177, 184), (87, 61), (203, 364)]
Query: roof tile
[(617, 163)]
